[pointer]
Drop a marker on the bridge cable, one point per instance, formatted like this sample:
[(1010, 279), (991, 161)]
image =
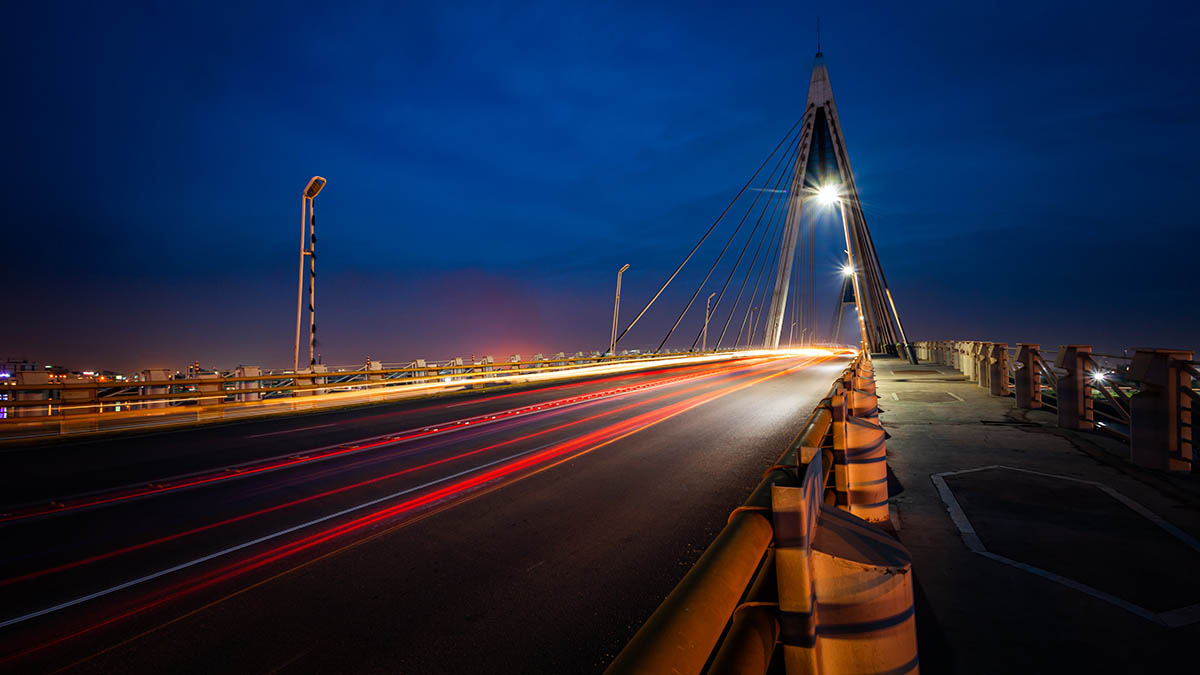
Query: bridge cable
[(776, 256), (767, 233), (710, 229), (725, 249), (775, 192), (770, 253)]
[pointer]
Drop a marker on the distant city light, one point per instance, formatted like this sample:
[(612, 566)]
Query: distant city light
[(1099, 377)]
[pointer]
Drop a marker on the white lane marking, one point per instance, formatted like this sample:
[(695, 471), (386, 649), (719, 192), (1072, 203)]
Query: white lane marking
[(291, 431), (247, 544), (1173, 618), (961, 399)]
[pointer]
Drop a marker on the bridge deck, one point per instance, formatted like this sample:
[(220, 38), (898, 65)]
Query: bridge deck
[(1034, 548)]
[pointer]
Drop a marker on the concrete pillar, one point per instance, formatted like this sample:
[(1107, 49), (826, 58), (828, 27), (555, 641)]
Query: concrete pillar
[(1028, 377), (32, 377), (308, 381), (419, 363), (983, 351), (374, 366), (998, 376), (208, 393), (78, 401), (1075, 388), (1160, 432), (249, 371), (861, 439), (794, 512), (158, 375), (862, 580)]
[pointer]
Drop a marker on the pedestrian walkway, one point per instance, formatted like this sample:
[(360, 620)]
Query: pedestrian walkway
[(1035, 549)]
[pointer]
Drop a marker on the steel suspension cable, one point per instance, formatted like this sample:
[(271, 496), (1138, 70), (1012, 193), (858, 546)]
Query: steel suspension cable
[(767, 233), (775, 192), (772, 252), (710, 229), (725, 249)]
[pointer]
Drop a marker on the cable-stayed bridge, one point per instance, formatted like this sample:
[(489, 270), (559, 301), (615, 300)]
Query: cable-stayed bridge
[(573, 512)]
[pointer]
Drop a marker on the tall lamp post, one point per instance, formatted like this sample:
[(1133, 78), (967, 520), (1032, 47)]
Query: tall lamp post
[(707, 313), (829, 195), (308, 248), (612, 342)]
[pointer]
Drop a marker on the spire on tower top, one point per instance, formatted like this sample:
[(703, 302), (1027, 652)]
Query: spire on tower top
[(818, 35)]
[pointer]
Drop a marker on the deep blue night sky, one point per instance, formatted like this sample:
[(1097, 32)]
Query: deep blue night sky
[(1029, 173)]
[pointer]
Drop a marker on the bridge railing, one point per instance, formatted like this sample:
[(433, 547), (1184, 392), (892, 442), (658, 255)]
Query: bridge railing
[(1146, 399), (753, 602), (31, 401)]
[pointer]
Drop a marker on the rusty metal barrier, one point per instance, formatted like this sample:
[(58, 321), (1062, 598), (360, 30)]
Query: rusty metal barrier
[(771, 590)]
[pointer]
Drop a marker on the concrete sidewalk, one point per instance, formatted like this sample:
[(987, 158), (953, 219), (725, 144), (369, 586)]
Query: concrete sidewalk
[(1035, 549)]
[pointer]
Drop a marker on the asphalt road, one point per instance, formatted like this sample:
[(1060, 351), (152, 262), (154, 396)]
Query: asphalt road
[(528, 530)]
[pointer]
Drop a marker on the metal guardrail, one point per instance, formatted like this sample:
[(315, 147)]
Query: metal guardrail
[(30, 410), (1145, 400), (751, 603)]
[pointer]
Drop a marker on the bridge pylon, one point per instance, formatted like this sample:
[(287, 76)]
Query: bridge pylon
[(821, 161)]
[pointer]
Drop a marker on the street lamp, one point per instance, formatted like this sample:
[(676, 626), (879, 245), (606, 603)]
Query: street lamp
[(750, 344), (612, 343), (707, 313), (308, 246), (831, 194)]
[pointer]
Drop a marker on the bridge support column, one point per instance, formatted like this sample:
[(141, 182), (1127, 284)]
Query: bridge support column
[(983, 351), (998, 375), (1074, 389), (249, 371), (1028, 377), (32, 377), (155, 375), (1160, 429)]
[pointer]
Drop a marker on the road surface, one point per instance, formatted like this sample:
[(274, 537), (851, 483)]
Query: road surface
[(527, 530)]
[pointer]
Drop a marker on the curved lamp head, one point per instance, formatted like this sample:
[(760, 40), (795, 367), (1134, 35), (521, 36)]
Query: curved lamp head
[(314, 187), (622, 270)]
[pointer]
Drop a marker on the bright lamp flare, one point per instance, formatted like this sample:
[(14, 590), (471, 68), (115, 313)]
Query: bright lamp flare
[(848, 270), (828, 194)]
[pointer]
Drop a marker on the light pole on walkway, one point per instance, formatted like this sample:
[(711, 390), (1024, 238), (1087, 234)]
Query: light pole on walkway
[(830, 194), (612, 342), (308, 246), (707, 313)]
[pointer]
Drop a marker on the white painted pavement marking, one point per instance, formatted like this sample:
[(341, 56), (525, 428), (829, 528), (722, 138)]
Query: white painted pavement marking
[(292, 431), (1173, 618)]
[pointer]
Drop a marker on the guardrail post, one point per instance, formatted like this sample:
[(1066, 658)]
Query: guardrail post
[(32, 377), (155, 375), (794, 515), (1074, 389), (78, 401), (1160, 410), (998, 373), (861, 440), (249, 371), (983, 354), (1027, 378)]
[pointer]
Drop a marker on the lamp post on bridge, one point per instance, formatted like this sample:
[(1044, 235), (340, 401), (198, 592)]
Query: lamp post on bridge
[(829, 194), (612, 342), (707, 313), (308, 246)]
